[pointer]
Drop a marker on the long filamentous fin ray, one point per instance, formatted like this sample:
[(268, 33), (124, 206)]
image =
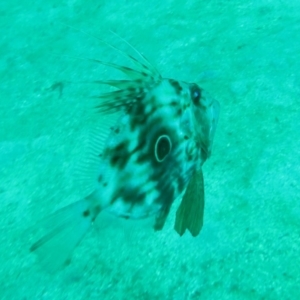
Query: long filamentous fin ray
[(121, 84), (144, 68), (147, 65), (119, 94), (132, 73), (111, 107)]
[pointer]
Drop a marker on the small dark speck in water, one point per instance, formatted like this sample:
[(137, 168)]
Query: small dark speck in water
[(57, 86)]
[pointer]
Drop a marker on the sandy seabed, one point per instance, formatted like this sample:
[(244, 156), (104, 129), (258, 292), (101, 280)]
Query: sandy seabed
[(247, 55)]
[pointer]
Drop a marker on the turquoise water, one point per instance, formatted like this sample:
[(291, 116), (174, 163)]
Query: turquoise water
[(247, 55)]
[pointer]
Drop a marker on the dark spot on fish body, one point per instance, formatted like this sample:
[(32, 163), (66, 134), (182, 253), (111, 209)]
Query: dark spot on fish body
[(119, 155), (137, 115), (130, 196), (156, 144), (177, 87), (142, 158), (133, 195), (86, 213), (163, 147), (131, 90), (118, 161), (137, 112), (166, 190)]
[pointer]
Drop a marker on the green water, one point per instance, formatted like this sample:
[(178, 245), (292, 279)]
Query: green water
[(247, 55)]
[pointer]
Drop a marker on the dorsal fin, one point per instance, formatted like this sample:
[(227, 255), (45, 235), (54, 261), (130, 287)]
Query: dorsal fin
[(145, 65), (132, 73), (144, 68)]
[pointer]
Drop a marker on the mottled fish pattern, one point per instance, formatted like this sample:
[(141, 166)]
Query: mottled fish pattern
[(151, 156)]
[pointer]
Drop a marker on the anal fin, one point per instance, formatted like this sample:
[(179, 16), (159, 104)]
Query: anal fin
[(189, 215)]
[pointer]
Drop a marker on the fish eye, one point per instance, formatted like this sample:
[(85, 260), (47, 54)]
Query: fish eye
[(162, 148), (195, 94)]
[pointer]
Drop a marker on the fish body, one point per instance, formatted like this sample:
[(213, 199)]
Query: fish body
[(151, 156)]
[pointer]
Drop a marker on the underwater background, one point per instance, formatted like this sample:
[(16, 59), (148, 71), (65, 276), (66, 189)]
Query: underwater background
[(246, 54)]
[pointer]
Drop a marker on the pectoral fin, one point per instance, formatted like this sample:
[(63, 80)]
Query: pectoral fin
[(190, 212)]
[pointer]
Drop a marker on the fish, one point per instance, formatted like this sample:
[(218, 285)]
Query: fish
[(159, 134)]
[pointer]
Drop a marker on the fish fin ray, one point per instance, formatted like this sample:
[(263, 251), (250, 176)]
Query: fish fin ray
[(66, 228), (119, 100), (130, 72), (144, 66), (86, 171), (145, 69), (121, 84), (189, 215)]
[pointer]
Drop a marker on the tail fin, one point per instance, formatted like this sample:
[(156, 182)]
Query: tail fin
[(66, 228)]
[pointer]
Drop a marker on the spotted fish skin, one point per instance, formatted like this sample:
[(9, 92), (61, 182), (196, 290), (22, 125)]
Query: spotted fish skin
[(154, 152), (162, 137)]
